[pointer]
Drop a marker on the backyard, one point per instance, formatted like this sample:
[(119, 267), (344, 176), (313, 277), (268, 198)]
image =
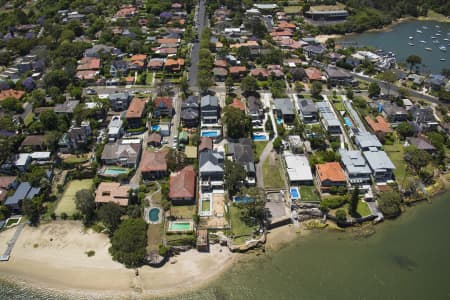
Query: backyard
[(272, 173), (307, 193), (396, 153), (238, 227), (155, 234), (182, 211), (67, 202), (259, 148)]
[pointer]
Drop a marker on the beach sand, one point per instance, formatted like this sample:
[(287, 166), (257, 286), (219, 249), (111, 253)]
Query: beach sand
[(53, 256)]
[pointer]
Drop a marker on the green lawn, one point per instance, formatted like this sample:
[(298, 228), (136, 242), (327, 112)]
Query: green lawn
[(308, 193), (76, 160), (155, 234), (259, 148), (339, 106), (272, 174), (396, 154), (67, 202), (238, 227), (363, 209), (206, 205), (182, 211), (292, 9), (149, 78)]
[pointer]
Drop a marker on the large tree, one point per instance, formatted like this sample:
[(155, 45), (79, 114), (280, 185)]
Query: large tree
[(405, 129), (249, 84), (129, 242), (85, 203), (316, 89), (389, 77), (389, 203), (110, 214), (354, 199), (374, 89), (32, 209), (234, 176), (238, 124), (416, 158)]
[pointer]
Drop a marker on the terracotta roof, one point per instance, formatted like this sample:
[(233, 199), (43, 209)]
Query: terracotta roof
[(238, 104), (259, 72), (313, 74), (136, 108), (174, 62), (86, 74), (379, 124), (11, 94), (237, 69), (281, 33), (220, 63), (153, 161), (167, 41), (33, 140), (166, 102), (138, 57), (206, 143), (6, 181), (155, 63), (287, 25), (89, 63), (126, 11), (182, 183), (112, 192), (155, 137), (246, 44), (331, 171)]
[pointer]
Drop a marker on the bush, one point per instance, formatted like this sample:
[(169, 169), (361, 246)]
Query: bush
[(53, 216), (64, 216), (333, 202), (163, 250), (90, 253), (341, 215)]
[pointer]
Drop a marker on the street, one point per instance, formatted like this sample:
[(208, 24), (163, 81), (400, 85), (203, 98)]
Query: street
[(201, 21)]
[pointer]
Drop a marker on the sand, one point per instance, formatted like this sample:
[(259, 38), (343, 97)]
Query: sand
[(53, 256), (324, 37)]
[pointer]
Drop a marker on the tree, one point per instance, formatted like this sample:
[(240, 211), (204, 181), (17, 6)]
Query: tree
[(129, 242), (249, 84), (389, 203), (389, 77), (238, 124), (176, 160), (85, 203), (110, 214), (234, 176), (416, 158), (349, 93), (374, 89), (277, 144), (413, 60), (316, 89), (32, 210), (405, 129), (330, 44), (354, 201), (195, 139), (341, 215), (49, 119)]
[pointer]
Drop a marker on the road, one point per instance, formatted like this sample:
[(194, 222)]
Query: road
[(201, 22)]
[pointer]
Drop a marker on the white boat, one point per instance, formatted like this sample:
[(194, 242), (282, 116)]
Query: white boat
[(411, 37), (411, 44), (442, 59), (424, 27), (419, 31), (428, 49), (423, 42), (433, 37), (443, 48), (437, 26), (446, 39), (436, 42), (437, 34)]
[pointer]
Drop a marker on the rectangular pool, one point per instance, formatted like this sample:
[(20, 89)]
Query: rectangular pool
[(210, 133), (259, 137), (156, 128), (242, 199), (348, 122), (295, 193), (180, 226), (115, 171)]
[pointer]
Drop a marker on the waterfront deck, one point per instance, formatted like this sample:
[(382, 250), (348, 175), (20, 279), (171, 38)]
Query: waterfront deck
[(11, 243)]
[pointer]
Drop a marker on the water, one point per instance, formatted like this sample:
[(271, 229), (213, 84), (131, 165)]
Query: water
[(259, 137), (406, 259), (115, 171), (153, 214), (348, 122), (295, 193), (214, 133), (156, 128), (397, 39)]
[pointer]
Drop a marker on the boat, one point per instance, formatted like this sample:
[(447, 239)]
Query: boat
[(437, 34), (443, 48), (423, 42), (436, 42), (428, 49), (433, 37), (411, 37), (424, 27), (446, 39), (437, 26), (419, 31), (442, 59), (411, 44)]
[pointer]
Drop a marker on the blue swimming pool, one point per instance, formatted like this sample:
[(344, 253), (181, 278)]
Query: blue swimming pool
[(242, 199), (115, 171), (212, 133), (259, 137), (348, 122), (279, 121), (295, 194), (153, 215), (156, 128)]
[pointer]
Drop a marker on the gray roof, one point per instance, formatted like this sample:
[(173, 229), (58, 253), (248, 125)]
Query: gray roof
[(254, 104), (24, 191), (354, 162), (378, 161), (284, 105), (307, 106), (420, 143), (317, 49), (366, 140), (334, 72), (121, 151), (211, 161), (119, 96), (242, 151), (209, 100), (327, 114), (66, 107), (394, 109)]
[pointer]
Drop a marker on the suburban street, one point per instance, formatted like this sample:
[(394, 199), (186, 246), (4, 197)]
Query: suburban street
[(201, 21)]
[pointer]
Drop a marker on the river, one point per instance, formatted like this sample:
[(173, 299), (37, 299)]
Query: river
[(396, 39), (407, 258)]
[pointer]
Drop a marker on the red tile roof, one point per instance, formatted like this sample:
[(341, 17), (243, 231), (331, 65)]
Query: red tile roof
[(166, 102), (154, 161), (112, 192), (220, 63), (167, 41), (313, 74), (6, 181), (89, 63), (259, 72), (11, 94), (379, 124), (182, 183), (237, 69), (331, 171), (136, 108), (206, 143), (238, 104)]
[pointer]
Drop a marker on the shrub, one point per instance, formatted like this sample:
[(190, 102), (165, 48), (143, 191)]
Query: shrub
[(341, 215), (64, 216), (90, 253), (53, 216)]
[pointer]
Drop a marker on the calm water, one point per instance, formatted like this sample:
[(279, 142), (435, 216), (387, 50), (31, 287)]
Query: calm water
[(397, 41), (408, 258)]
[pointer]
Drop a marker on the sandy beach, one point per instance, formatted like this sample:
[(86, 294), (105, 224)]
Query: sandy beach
[(53, 256)]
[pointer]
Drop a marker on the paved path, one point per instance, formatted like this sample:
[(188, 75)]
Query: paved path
[(354, 114), (12, 242)]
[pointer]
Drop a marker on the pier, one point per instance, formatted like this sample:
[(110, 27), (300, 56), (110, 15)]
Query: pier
[(11, 243)]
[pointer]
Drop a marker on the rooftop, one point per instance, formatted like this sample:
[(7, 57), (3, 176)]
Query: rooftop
[(112, 192), (331, 171), (378, 161), (153, 161), (136, 108), (379, 124), (182, 183), (297, 167)]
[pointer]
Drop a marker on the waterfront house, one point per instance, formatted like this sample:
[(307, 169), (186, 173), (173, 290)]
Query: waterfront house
[(336, 76), (380, 164), (125, 153), (421, 143), (327, 15), (163, 107), (135, 113), (307, 110), (154, 164), (211, 169), (284, 110), (298, 169), (209, 109), (182, 186), (23, 192), (366, 141), (355, 166), (242, 153), (112, 192), (330, 175)]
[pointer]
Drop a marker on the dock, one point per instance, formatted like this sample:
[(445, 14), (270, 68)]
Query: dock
[(12, 242)]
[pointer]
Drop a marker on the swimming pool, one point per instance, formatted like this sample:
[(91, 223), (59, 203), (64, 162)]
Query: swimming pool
[(181, 226), (348, 122), (295, 194), (153, 215), (259, 137), (115, 171), (242, 199), (279, 121), (210, 133), (156, 128)]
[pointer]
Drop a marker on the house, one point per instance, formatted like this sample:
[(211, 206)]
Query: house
[(22, 162), (23, 192), (154, 139), (126, 11), (329, 119), (284, 110), (115, 129), (436, 81), (380, 164), (206, 144), (421, 144), (89, 63), (154, 164), (356, 167), (336, 76), (163, 107), (34, 143), (190, 112), (307, 110), (330, 175), (209, 109), (211, 169), (125, 153), (237, 71), (10, 93), (260, 73), (67, 107), (313, 51), (155, 64), (313, 74), (423, 117), (326, 15), (7, 183), (394, 113), (174, 65), (182, 186), (237, 104), (112, 192), (220, 74), (298, 169), (366, 141), (76, 137), (255, 110), (242, 153), (119, 68), (275, 71), (379, 125), (135, 113), (119, 101)]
